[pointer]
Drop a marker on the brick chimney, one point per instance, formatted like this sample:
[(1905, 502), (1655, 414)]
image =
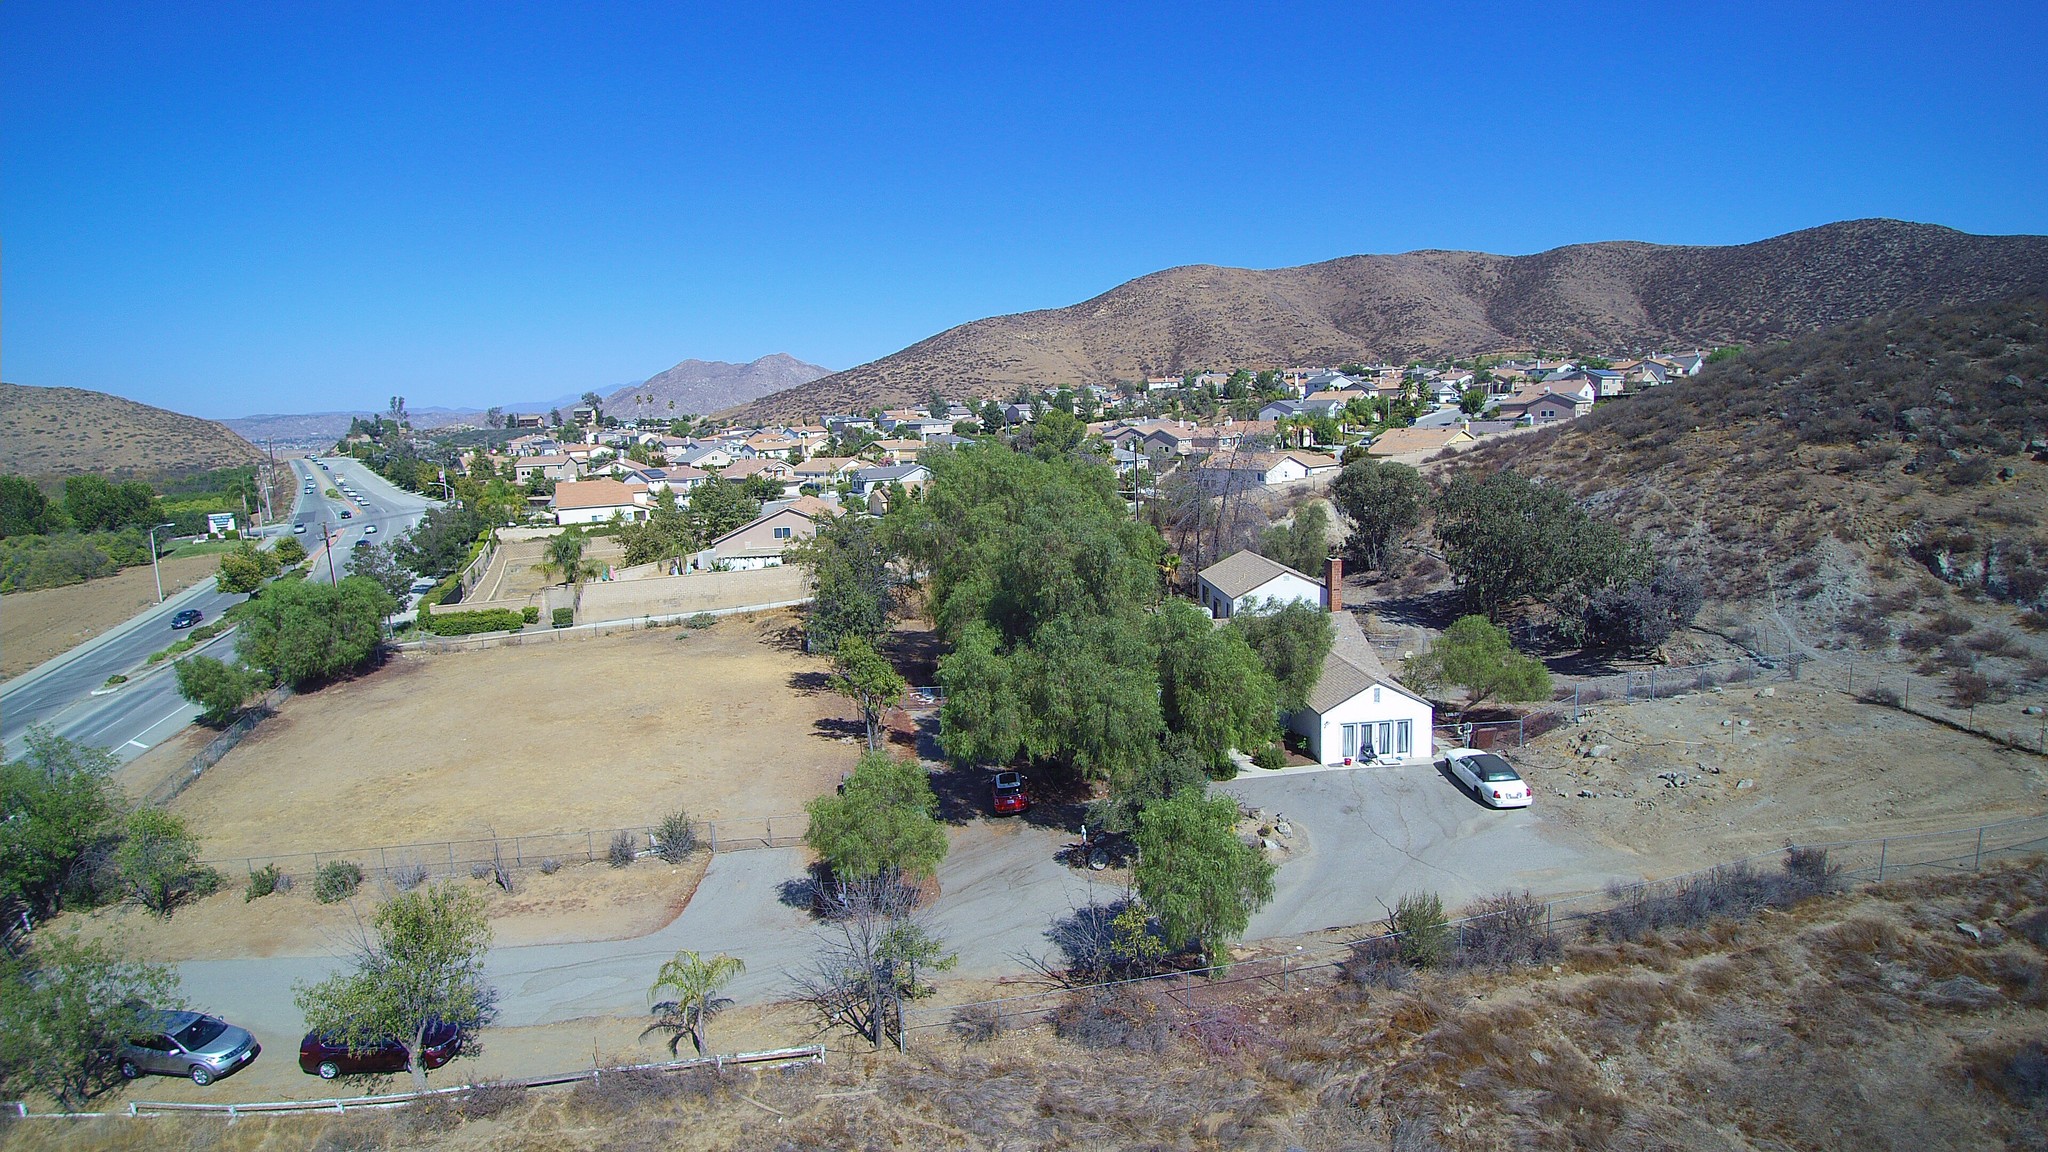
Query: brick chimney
[(1333, 584)]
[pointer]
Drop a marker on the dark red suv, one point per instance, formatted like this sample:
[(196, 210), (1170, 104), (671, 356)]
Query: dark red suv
[(325, 1058), (1009, 797)]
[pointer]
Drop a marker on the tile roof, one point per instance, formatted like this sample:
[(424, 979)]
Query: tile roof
[(596, 494)]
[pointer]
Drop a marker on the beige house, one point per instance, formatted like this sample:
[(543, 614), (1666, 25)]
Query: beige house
[(596, 501), (760, 542), (557, 468), (1414, 441)]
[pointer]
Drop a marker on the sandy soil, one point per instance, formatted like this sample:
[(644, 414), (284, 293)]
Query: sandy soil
[(580, 902), (35, 626), (515, 571), (730, 721), (1820, 766)]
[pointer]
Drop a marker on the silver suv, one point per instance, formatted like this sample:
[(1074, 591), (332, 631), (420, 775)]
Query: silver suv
[(187, 1044)]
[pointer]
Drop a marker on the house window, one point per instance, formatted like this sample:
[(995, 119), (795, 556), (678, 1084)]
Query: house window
[(782, 533), (1404, 736), (1375, 693)]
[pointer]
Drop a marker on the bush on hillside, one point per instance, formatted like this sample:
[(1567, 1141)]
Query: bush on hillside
[(471, 623)]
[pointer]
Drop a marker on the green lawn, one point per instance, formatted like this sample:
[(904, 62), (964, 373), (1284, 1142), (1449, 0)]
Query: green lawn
[(201, 548)]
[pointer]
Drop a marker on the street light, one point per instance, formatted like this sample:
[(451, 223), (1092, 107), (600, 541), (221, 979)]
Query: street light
[(154, 569)]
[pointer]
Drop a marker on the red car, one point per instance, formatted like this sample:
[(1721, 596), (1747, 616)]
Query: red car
[(1009, 796), (325, 1058)]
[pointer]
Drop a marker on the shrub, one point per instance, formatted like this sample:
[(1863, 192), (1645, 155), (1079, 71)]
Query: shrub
[(1506, 931), (530, 614), (1271, 758), (1418, 922), (622, 851), (1736, 891), (158, 861), (1113, 1017), (563, 617), (550, 866), (1375, 963), (700, 621), (336, 880), (674, 839), (471, 623), (407, 877), (262, 882), (978, 1023)]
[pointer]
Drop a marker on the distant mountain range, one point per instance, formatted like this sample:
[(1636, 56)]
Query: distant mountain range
[(1617, 296), (695, 387), (692, 387), (47, 432)]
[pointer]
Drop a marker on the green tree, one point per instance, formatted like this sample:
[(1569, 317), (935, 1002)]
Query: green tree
[(848, 570), (300, 632), (66, 1004), (866, 677), (379, 565), (1214, 690), (1507, 538), (1291, 640), (696, 982), (95, 504), (25, 511), (216, 686), (60, 816), (563, 557), (288, 552), (425, 965), (718, 507), (1472, 401), (664, 535), (882, 823), (159, 860), (1196, 875), (1303, 544), (1383, 500), (440, 543), (1478, 655), (1057, 433), (245, 568)]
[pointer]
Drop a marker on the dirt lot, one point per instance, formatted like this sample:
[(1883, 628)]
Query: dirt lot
[(729, 721), (35, 626), (515, 571), (580, 902), (1818, 765)]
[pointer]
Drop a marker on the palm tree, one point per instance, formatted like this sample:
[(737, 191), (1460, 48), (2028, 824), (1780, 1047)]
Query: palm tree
[(696, 982), (565, 558)]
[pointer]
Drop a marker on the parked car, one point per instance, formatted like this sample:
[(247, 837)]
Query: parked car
[(1009, 797), (1491, 778), (326, 1058), (187, 1044), (186, 619)]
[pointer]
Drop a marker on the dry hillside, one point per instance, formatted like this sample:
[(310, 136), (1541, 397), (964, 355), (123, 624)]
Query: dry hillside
[(695, 387), (1614, 296), (67, 431)]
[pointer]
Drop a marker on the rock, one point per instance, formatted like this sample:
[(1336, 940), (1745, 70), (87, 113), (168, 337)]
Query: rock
[(2031, 710), (1766, 693), (1744, 784), (1268, 845), (1283, 828), (1600, 751), (1589, 794), (1727, 723), (1742, 723), (1970, 930), (1720, 691)]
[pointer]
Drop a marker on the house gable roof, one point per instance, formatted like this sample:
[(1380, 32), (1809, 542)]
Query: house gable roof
[(1351, 668), (1245, 571), (597, 494)]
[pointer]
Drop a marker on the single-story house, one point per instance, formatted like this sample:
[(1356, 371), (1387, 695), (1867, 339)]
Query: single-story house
[(703, 456), (760, 542), (774, 469), (898, 451), (827, 471), (1285, 467), (596, 501), (1246, 579), (1359, 713), (677, 478), (1329, 403), (771, 445), (1410, 441), (1280, 409)]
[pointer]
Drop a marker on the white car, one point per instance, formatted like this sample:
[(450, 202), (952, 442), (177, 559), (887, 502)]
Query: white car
[(369, 529), (1493, 780), (298, 529)]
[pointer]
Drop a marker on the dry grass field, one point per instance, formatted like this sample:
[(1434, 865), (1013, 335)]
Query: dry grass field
[(35, 626), (603, 733), (1863, 1020), (65, 431)]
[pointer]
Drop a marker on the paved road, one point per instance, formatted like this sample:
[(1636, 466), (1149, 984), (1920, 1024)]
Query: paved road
[(389, 509)]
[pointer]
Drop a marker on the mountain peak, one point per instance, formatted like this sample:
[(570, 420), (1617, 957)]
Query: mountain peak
[(694, 387)]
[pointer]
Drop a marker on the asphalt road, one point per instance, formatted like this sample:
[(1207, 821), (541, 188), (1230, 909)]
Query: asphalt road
[(132, 719)]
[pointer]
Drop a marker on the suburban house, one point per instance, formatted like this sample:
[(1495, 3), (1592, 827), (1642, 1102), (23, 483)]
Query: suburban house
[(774, 469), (760, 542), (557, 468), (868, 483), (1246, 579), (827, 471), (1017, 413), (1543, 406), (1280, 409), (1329, 403), (771, 445), (1358, 713), (703, 456), (899, 451), (1410, 441), (596, 501), (677, 478), (1235, 469)]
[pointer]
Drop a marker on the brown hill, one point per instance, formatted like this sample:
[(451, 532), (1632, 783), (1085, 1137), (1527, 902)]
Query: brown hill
[(695, 387), (67, 431), (1616, 296)]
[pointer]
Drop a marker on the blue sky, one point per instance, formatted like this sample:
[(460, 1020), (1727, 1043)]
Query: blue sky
[(226, 209)]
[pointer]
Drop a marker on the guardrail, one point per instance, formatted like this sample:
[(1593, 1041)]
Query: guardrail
[(777, 1057)]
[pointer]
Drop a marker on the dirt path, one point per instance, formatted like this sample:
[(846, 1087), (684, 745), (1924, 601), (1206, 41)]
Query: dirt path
[(35, 626)]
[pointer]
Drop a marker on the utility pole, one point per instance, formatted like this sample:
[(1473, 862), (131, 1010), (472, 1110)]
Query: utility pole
[(327, 536), (153, 568)]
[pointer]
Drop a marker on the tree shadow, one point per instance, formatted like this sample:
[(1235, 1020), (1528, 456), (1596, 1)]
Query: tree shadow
[(1436, 609), (782, 636), (914, 653), (810, 682), (839, 728)]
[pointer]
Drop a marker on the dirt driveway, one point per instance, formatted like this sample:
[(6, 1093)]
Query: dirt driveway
[(599, 733)]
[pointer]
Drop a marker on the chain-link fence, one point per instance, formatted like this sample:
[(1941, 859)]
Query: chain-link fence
[(544, 850), (168, 788), (1956, 852)]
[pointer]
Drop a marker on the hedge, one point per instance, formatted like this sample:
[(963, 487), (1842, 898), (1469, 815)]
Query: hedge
[(470, 623), (563, 617)]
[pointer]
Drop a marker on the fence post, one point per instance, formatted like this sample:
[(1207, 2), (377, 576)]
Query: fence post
[(769, 823), (1978, 863), (713, 824), (1882, 845), (589, 845), (1653, 683)]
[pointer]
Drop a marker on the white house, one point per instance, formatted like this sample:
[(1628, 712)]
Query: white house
[(1228, 470), (1359, 714), (1246, 579), (594, 501)]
